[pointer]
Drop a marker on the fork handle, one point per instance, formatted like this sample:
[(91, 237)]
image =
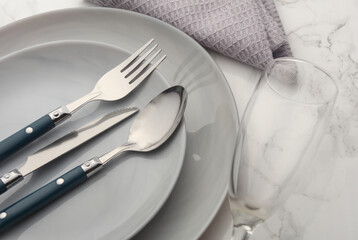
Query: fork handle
[(33, 131)]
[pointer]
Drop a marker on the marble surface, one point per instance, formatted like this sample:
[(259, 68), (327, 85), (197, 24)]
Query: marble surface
[(320, 31)]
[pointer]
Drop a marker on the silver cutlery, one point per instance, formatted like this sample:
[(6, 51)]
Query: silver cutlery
[(63, 145), (150, 129), (114, 85)]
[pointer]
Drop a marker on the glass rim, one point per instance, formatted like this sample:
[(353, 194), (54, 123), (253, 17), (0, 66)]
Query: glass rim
[(291, 59)]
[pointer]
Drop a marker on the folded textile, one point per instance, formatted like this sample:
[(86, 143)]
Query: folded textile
[(249, 31)]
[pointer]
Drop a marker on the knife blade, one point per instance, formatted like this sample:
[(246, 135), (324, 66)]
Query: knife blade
[(64, 145), (151, 128)]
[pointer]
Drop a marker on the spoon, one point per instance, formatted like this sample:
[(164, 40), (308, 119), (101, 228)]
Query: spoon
[(150, 129)]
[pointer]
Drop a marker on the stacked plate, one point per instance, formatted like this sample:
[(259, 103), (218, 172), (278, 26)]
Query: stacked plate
[(51, 59)]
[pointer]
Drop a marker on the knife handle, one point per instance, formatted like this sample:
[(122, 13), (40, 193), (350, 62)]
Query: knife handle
[(47, 194), (10, 179), (20, 139)]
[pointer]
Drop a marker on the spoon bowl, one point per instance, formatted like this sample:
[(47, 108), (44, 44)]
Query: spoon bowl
[(154, 124)]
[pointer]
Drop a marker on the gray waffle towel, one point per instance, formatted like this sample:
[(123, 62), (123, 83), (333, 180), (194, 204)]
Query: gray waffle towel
[(247, 30)]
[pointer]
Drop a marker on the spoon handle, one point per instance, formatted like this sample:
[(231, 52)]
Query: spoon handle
[(47, 194)]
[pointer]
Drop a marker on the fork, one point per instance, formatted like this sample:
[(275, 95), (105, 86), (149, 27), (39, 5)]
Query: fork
[(114, 85)]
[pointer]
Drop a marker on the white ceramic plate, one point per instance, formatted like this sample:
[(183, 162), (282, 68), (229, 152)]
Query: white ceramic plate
[(211, 121)]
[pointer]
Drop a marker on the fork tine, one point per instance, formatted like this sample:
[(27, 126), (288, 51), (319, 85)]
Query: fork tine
[(139, 61), (140, 69), (134, 55), (147, 72)]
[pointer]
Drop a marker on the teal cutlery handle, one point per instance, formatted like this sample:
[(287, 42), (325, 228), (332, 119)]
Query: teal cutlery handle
[(3, 187), (41, 197), (25, 136)]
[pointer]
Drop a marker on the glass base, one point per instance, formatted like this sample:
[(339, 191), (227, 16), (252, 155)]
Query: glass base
[(242, 218), (242, 232), (243, 223)]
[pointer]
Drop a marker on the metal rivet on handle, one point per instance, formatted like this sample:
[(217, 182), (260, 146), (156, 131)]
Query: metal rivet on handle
[(3, 215), (56, 114), (29, 130), (60, 181)]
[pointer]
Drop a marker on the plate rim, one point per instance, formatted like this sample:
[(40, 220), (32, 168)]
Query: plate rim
[(74, 10)]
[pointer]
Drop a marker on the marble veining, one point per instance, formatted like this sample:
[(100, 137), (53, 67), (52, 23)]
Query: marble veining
[(325, 33), (324, 211)]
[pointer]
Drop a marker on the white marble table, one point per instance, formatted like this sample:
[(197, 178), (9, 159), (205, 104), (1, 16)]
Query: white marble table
[(323, 32)]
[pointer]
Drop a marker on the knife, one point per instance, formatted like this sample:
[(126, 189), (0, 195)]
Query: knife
[(112, 86), (150, 129), (64, 145)]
